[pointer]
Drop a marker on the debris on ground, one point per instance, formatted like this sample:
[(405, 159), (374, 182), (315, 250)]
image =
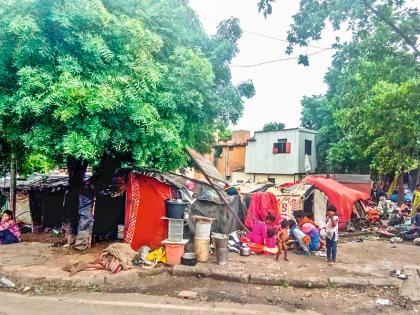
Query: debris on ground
[(188, 295), (7, 282), (383, 302)]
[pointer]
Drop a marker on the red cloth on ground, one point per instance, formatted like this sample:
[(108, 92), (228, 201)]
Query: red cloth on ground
[(261, 204), (145, 206)]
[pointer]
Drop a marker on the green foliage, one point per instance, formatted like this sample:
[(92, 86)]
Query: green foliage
[(369, 120), (130, 80), (225, 134), (273, 126)]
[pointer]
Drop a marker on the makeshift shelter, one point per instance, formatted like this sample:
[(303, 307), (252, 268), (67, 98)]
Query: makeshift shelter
[(147, 191), (348, 201), (39, 199)]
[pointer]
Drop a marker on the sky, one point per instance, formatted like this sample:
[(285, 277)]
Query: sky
[(279, 86)]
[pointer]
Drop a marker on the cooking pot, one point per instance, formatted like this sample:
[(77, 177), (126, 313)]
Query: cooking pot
[(189, 259), (245, 251)]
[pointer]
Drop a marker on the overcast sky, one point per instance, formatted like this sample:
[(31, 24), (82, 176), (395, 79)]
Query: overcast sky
[(279, 86)]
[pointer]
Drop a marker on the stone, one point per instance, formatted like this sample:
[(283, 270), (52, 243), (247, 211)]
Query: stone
[(189, 295), (26, 289)]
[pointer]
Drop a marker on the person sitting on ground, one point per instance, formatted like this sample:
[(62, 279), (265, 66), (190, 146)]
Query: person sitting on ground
[(331, 230), (301, 238), (282, 238), (270, 247), (258, 233), (9, 231), (310, 228)]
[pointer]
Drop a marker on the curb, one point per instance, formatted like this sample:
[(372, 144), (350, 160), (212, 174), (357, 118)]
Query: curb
[(281, 280), (94, 280)]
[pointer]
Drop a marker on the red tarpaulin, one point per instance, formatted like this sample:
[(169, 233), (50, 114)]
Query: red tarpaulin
[(342, 197), (145, 206), (261, 204)]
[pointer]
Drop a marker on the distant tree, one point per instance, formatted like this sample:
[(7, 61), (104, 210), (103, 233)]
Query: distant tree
[(273, 126)]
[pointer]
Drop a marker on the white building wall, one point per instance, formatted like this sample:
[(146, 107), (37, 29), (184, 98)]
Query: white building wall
[(260, 158), (305, 134)]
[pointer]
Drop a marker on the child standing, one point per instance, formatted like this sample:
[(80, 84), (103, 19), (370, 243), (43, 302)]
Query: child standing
[(9, 231), (282, 238), (331, 229)]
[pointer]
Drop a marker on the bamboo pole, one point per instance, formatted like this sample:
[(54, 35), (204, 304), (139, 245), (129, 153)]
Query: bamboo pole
[(13, 186)]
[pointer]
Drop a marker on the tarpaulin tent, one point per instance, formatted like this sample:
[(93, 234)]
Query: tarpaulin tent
[(342, 197), (146, 192)]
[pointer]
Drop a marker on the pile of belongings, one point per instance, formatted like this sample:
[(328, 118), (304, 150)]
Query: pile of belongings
[(115, 257), (149, 258)]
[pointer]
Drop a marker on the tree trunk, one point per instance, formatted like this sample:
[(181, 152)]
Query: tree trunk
[(77, 170), (401, 189), (13, 186)]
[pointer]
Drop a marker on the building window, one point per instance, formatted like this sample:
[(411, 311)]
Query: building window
[(281, 146), (272, 180), (308, 147)]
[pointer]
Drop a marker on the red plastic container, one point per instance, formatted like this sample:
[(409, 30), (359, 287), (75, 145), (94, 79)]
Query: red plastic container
[(174, 253)]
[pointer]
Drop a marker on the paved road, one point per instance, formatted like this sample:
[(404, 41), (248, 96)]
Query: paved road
[(127, 304)]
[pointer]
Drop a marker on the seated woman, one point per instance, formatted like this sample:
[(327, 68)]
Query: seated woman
[(310, 228), (301, 238), (9, 231), (260, 233)]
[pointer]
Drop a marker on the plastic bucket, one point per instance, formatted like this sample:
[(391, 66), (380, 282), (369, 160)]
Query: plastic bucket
[(175, 208), (174, 253), (222, 255), (175, 230), (202, 230), (202, 249), (120, 233), (220, 240)]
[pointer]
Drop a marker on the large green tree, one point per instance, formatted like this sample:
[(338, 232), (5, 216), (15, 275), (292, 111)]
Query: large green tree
[(369, 119), (133, 81)]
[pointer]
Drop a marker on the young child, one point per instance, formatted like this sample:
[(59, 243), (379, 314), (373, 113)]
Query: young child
[(9, 231), (331, 229), (282, 238)]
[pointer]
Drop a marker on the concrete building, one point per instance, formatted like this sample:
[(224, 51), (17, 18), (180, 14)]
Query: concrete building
[(279, 156)]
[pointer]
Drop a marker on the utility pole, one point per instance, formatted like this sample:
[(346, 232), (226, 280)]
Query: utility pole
[(13, 186)]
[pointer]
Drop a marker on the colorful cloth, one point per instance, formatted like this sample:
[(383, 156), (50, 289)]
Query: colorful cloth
[(416, 203), (261, 204), (10, 226), (258, 233), (145, 206)]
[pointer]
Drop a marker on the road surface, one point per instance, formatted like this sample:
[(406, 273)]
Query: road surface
[(127, 304)]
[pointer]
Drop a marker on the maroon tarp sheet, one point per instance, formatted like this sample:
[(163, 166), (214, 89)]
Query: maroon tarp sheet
[(144, 209)]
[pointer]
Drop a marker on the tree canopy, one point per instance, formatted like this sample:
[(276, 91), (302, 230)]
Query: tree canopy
[(130, 80), (274, 126), (369, 119)]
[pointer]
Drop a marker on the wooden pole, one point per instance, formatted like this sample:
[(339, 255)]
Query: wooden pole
[(223, 198), (13, 186)]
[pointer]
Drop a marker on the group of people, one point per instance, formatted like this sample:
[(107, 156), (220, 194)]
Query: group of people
[(302, 232)]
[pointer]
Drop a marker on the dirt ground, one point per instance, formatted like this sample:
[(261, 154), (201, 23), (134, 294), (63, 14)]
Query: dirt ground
[(324, 301)]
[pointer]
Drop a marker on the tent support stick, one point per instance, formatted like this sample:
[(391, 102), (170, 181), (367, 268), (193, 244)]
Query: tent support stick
[(224, 199)]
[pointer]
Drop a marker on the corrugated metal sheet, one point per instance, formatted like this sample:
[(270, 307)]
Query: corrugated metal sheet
[(205, 165)]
